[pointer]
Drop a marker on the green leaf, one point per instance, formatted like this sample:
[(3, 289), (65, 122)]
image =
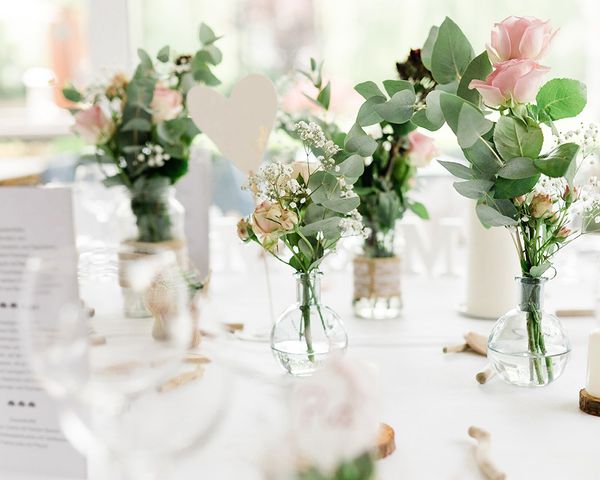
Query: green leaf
[(329, 226), (418, 209), (538, 270), (163, 54), (145, 59), (201, 71), (369, 89), (473, 188), (140, 91), (451, 53), (514, 138), (313, 64), (206, 34), (432, 117), (214, 53), (399, 108), (324, 96), (139, 124), (113, 181), (511, 188), (479, 68), (428, 47), (394, 86), (518, 168), (457, 169), (490, 217), (561, 98), (367, 114), (341, 205), (483, 158), (352, 168), (357, 141), (465, 120), (72, 94), (558, 162)]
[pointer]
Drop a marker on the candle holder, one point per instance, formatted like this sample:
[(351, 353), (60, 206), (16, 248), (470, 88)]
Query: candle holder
[(588, 403)]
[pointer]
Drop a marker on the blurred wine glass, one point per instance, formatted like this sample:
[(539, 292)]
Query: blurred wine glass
[(132, 392)]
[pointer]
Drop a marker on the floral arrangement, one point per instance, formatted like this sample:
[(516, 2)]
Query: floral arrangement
[(141, 127), (398, 151), (306, 206), (500, 113)]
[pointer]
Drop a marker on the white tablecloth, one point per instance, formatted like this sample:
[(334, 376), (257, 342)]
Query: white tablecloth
[(430, 398)]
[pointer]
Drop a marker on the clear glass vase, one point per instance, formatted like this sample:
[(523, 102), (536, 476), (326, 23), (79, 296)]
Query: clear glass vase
[(377, 279), (307, 332), (150, 221), (528, 346)]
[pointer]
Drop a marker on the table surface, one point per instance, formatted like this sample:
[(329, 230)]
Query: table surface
[(429, 398)]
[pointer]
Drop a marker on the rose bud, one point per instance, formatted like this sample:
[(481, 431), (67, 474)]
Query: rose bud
[(520, 200), (541, 205), (563, 233), (243, 230)]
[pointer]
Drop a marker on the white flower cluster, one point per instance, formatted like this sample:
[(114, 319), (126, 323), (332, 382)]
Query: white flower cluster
[(553, 187), (313, 137), (347, 190), (274, 182), (584, 136), (352, 225), (152, 155), (589, 198)]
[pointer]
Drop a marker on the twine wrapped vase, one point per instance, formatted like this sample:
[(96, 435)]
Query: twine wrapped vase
[(377, 287)]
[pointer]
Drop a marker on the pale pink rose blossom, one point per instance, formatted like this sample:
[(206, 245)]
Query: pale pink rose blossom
[(520, 38), (93, 125), (421, 149), (541, 206), (166, 103), (514, 80), (270, 220), (303, 169)]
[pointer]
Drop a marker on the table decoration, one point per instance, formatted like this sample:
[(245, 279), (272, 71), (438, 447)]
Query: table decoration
[(483, 454), (333, 432), (476, 343), (384, 188), (303, 210), (515, 185), (589, 397), (142, 135)]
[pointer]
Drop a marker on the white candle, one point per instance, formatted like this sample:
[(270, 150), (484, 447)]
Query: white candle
[(593, 368)]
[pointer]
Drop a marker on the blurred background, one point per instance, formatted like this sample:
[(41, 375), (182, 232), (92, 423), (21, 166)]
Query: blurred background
[(45, 43)]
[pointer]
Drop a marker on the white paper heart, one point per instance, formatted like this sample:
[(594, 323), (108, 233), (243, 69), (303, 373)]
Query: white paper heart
[(239, 125)]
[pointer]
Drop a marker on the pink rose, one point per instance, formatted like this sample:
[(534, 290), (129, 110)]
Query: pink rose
[(520, 38), (541, 206), (514, 80), (421, 149), (166, 103), (303, 169), (270, 220), (93, 125)]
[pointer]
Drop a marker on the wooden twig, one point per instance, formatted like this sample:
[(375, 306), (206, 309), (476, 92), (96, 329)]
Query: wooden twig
[(181, 379), (575, 312), (486, 374), (474, 342), (483, 456), (455, 348)]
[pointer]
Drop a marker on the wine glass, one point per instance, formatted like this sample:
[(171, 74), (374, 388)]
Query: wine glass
[(122, 384)]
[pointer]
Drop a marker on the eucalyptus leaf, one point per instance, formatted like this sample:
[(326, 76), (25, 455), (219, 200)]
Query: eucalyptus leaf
[(324, 96), (357, 141), (399, 108), (427, 49), (483, 159), (473, 188), (432, 117), (72, 94), (518, 168), (369, 89), (341, 204), (215, 56), (145, 59), (352, 168), (479, 68), (538, 270), (394, 86), (329, 226), (514, 138), (418, 209), (466, 121), (139, 124), (451, 53), (367, 115), (490, 217), (207, 35), (457, 169), (163, 54)]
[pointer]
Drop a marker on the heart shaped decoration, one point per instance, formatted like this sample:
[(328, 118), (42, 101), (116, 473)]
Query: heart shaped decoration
[(239, 125)]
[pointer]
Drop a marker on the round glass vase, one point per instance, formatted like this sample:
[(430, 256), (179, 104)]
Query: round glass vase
[(528, 346), (150, 221), (307, 332), (377, 278)]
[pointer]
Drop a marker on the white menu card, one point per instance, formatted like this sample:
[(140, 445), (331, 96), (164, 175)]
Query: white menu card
[(31, 441)]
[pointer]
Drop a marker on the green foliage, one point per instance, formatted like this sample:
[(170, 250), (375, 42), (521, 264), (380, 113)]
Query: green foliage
[(491, 217), (511, 188), (357, 141), (479, 68), (515, 138), (361, 468), (561, 98), (451, 53), (559, 162), (72, 94)]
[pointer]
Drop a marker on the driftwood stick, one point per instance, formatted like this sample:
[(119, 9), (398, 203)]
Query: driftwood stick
[(181, 379), (485, 375), (483, 456), (455, 348)]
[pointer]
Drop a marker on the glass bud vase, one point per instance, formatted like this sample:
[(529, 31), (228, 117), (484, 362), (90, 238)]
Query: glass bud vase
[(528, 346), (377, 279), (150, 221), (307, 332)]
